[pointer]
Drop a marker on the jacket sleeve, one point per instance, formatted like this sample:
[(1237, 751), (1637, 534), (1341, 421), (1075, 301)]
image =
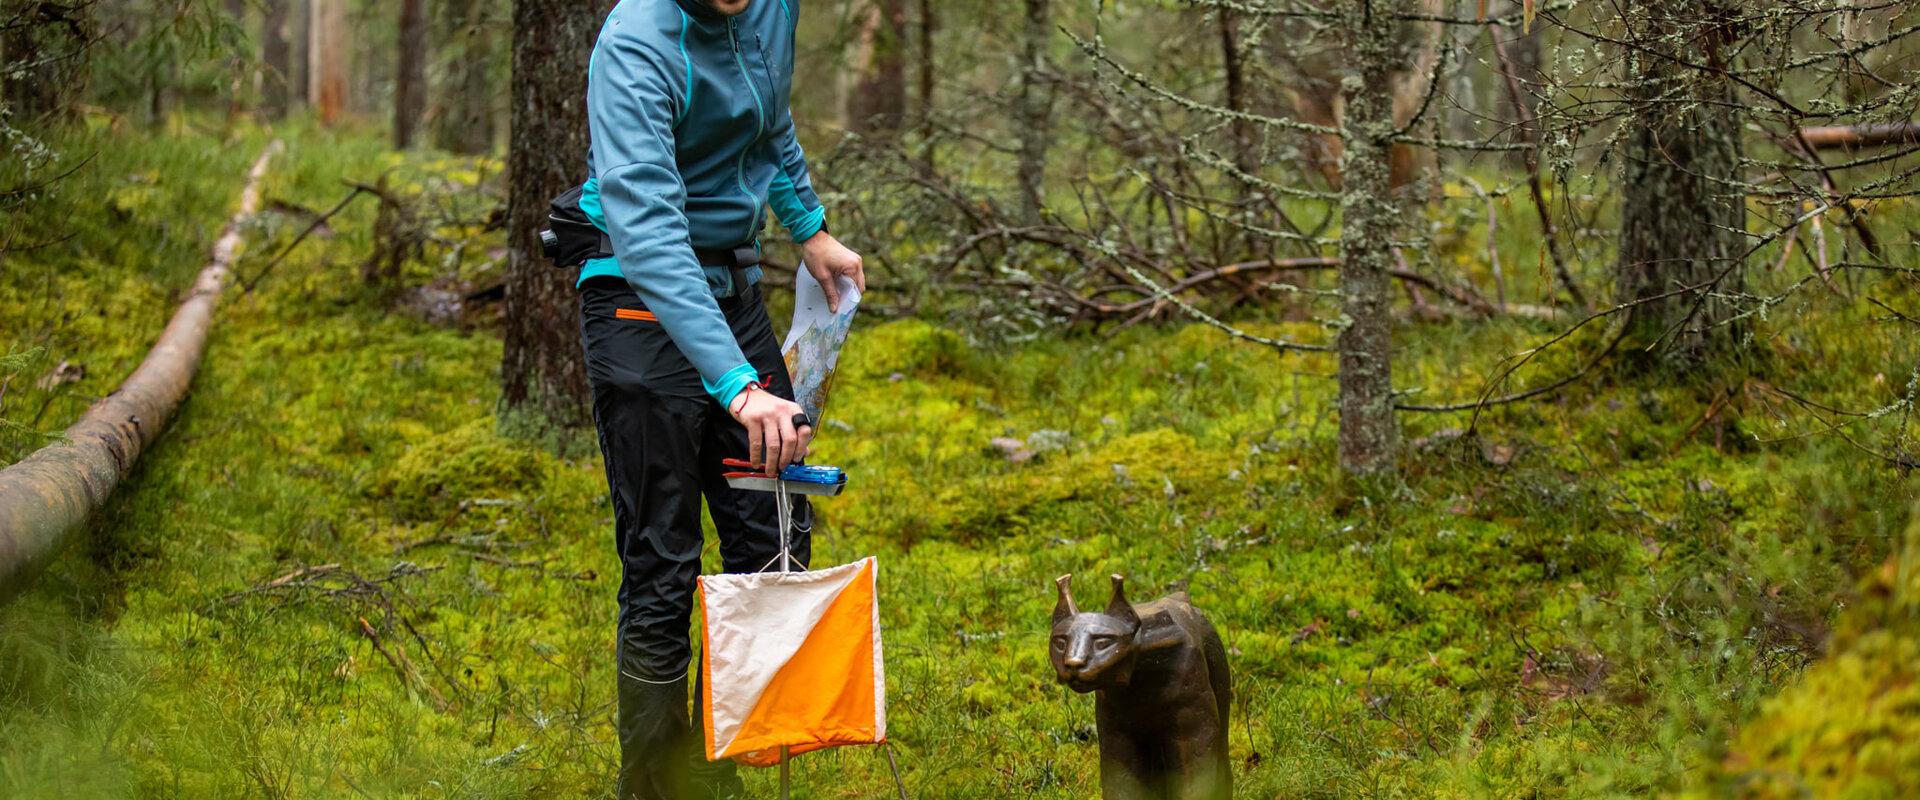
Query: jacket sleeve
[(631, 105), (792, 195)]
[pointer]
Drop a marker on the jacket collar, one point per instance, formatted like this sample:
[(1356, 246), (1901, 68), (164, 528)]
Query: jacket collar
[(698, 9)]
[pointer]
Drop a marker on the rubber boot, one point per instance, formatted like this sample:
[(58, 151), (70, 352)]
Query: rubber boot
[(655, 739), (711, 780)]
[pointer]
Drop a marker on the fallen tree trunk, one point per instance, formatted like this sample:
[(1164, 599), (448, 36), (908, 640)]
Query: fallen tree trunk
[(1878, 135), (52, 491)]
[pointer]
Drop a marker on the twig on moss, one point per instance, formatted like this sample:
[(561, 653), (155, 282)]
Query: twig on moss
[(247, 286)]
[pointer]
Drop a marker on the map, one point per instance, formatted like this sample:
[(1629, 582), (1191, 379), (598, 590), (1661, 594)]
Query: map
[(813, 343)]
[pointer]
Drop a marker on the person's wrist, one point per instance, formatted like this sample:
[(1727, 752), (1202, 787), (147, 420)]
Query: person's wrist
[(740, 399)]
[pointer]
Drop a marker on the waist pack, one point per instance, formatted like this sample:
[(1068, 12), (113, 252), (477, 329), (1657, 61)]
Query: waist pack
[(570, 238)]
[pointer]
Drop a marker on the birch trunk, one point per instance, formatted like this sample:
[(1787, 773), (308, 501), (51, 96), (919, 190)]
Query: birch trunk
[(48, 494)]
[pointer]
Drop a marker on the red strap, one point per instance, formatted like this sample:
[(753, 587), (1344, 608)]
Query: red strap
[(751, 386)]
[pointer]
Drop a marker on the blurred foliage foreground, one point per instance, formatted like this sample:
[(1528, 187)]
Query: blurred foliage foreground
[(333, 578)]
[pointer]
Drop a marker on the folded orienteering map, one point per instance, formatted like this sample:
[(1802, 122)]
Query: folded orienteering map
[(813, 343)]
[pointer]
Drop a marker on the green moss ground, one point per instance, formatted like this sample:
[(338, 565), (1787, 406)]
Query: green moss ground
[(1585, 598)]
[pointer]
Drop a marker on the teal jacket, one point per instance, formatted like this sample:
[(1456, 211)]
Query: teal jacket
[(692, 140)]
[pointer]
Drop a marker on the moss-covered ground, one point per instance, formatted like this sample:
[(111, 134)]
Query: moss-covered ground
[(333, 578)]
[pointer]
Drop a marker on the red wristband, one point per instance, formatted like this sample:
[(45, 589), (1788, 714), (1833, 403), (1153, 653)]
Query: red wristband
[(751, 385)]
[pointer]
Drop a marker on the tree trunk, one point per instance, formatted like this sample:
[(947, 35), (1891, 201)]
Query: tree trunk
[(278, 57), (1242, 130), (1033, 108), (1683, 214), (464, 122), (366, 63), (1369, 213), (1518, 64), (410, 73), (49, 493), (927, 22), (1861, 136), (878, 104), (43, 57), (300, 19), (156, 97), (327, 59), (542, 374)]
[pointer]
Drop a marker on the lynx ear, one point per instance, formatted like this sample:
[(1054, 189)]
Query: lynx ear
[(1159, 632), (1064, 609), (1118, 607)]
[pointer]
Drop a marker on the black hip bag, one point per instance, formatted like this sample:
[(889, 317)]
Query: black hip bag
[(570, 239)]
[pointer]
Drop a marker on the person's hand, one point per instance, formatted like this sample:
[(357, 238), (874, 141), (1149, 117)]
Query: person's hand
[(826, 258), (772, 439)]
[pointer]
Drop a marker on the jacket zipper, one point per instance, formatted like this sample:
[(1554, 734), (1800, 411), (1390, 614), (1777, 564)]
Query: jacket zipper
[(760, 117)]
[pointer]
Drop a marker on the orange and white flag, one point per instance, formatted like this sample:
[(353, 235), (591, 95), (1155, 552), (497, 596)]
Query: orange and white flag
[(793, 659)]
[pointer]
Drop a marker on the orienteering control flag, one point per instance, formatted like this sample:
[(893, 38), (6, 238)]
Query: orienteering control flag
[(792, 658)]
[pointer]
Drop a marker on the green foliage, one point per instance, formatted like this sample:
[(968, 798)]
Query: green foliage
[(334, 577)]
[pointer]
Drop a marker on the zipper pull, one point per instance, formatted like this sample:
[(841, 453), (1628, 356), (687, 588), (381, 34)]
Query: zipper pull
[(733, 36)]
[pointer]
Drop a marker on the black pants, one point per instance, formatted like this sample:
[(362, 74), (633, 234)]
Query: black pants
[(663, 438)]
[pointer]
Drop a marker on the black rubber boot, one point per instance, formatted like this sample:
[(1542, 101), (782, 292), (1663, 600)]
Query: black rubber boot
[(655, 740), (711, 780)]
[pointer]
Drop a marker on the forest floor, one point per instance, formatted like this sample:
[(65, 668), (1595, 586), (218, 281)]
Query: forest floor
[(334, 578)]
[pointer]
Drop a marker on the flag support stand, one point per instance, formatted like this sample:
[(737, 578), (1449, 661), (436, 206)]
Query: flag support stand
[(783, 772)]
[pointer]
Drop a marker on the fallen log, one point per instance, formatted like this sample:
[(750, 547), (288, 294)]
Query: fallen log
[(1828, 137), (49, 493)]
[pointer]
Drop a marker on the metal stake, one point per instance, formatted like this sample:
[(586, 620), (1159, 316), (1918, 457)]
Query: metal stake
[(895, 766), (783, 772), (784, 505)]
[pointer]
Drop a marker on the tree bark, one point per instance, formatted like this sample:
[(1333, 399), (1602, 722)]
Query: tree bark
[(1517, 67), (543, 378), (878, 104), (1368, 436), (1683, 214), (299, 81), (277, 54), (464, 122), (1033, 108), (410, 73), (49, 493), (927, 22), (1827, 137), (367, 63), (327, 59), (1242, 130)]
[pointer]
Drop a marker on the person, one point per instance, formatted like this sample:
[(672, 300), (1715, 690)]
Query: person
[(692, 140)]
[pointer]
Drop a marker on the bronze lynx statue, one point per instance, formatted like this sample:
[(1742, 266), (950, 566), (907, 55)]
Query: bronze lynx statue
[(1159, 674)]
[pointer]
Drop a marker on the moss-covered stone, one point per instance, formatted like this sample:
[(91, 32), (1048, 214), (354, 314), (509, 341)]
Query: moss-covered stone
[(470, 462)]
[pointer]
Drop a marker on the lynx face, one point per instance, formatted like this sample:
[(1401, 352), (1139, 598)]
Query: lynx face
[(1093, 650)]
